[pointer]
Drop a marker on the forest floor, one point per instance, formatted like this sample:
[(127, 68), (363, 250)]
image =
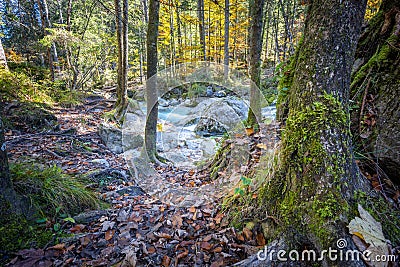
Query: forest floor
[(137, 230)]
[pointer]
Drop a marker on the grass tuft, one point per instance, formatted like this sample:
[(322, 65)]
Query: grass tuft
[(49, 190)]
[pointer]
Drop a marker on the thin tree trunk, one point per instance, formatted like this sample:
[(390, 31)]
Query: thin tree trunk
[(200, 14), (120, 48), (255, 43), (151, 85), (178, 24), (123, 93), (53, 45), (226, 44), (3, 59)]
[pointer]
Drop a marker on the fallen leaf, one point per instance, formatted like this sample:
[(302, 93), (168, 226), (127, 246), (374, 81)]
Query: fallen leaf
[(262, 146), (217, 249), (182, 254), (218, 218), (177, 220), (166, 261), (206, 245), (151, 250), (77, 228), (192, 209), (247, 233), (60, 246), (260, 239), (109, 234)]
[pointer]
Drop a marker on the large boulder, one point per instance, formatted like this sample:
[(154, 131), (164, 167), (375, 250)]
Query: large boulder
[(221, 115), (111, 136)]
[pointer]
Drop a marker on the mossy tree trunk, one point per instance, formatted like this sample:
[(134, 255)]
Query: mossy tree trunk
[(375, 89), (316, 177)]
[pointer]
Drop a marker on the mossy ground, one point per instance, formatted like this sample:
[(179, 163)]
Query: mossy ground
[(52, 197)]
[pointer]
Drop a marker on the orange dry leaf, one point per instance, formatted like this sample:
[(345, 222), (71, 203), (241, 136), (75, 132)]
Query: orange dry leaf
[(247, 233), (60, 246), (151, 250), (192, 209), (109, 234), (166, 261), (260, 239)]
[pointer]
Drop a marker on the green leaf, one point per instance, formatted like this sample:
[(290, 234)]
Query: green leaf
[(239, 191), (245, 180), (69, 219), (57, 227), (42, 220)]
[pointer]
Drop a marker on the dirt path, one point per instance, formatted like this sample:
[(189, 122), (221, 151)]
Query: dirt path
[(137, 230)]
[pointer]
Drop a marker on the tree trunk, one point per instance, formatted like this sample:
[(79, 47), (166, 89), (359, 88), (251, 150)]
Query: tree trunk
[(53, 45), (226, 44), (179, 33), (255, 44), (122, 94), (151, 84), (316, 176), (121, 16), (200, 14), (3, 59), (376, 90), (9, 201)]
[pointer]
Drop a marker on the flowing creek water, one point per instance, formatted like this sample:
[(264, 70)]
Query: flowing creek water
[(177, 138)]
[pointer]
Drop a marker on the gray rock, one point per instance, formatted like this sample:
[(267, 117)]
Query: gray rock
[(209, 92), (133, 191), (220, 116), (91, 216), (162, 102), (111, 136), (220, 93)]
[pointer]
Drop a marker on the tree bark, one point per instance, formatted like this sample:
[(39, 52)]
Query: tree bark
[(376, 90), (315, 178), (151, 84), (118, 22), (200, 14), (255, 47), (53, 45), (9, 201), (3, 59), (121, 13), (226, 44)]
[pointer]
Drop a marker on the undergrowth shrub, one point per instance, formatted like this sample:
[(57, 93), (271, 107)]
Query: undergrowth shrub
[(48, 189)]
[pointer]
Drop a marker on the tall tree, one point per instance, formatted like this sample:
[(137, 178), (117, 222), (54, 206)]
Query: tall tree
[(202, 31), (46, 23), (315, 180), (151, 84), (121, 17), (3, 59), (226, 41), (255, 47)]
